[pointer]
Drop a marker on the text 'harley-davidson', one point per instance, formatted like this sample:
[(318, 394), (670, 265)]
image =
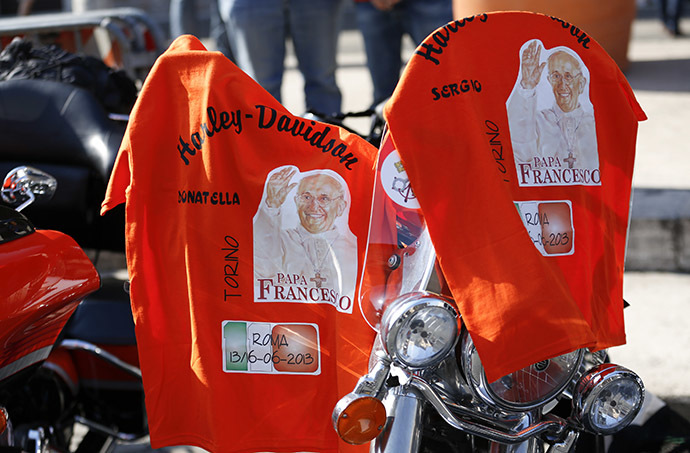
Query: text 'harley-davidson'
[(426, 389)]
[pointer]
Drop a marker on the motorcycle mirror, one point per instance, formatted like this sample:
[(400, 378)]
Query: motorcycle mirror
[(24, 185)]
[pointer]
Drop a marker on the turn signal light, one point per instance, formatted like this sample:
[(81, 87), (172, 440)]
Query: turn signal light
[(3, 420), (359, 419)]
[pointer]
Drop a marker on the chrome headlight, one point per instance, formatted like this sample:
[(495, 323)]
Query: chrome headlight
[(419, 330), (524, 389), (608, 398)]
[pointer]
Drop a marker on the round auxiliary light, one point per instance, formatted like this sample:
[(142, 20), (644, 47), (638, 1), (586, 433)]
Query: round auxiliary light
[(419, 330), (523, 389), (358, 418), (608, 398)]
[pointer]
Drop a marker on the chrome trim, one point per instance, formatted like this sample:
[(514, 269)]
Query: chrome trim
[(589, 360), (25, 361), (566, 445), (553, 426), (448, 380), (481, 412), (369, 385), (23, 185), (539, 401), (418, 264), (7, 435), (403, 432), (124, 437), (124, 117), (102, 354), (592, 384), (374, 381), (482, 389), (532, 445), (40, 439), (397, 314), (13, 225)]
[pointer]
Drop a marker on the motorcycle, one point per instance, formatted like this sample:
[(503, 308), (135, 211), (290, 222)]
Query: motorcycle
[(57, 368), (88, 376), (426, 389)]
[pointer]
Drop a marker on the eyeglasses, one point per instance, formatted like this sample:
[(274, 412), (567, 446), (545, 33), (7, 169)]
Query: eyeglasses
[(556, 77), (321, 200)]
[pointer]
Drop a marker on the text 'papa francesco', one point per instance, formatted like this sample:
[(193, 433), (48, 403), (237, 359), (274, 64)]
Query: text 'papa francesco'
[(294, 288), (557, 175), (316, 135)]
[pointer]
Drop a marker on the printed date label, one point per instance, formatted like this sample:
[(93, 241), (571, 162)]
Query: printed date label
[(549, 225), (271, 348)]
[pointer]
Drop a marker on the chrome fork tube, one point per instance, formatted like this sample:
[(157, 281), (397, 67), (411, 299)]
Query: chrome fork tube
[(532, 445), (101, 353), (567, 445), (403, 431)]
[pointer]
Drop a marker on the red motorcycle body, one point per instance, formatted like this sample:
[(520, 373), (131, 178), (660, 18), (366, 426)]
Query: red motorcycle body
[(45, 276)]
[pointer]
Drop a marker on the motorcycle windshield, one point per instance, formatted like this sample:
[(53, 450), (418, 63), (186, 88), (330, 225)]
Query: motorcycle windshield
[(400, 256)]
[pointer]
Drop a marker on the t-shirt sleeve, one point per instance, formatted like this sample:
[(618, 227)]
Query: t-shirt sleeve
[(119, 179), (629, 94)]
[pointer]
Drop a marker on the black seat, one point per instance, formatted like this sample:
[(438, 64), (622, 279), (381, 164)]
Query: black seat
[(63, 129), (105, 317)]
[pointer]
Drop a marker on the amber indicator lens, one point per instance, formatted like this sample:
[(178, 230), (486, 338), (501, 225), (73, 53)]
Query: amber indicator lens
[(361, 421), (3, 420)]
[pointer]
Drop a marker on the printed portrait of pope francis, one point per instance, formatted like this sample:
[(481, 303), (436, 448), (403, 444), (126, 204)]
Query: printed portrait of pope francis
[(304, 250), (551, 118)]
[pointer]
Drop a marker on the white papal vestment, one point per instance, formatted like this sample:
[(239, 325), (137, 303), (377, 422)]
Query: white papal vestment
[(296, 257), (551, 133)]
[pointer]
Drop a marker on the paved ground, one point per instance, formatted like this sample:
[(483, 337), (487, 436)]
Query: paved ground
[(658, 345)]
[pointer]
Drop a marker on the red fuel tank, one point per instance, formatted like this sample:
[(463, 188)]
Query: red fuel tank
[(43, 277)]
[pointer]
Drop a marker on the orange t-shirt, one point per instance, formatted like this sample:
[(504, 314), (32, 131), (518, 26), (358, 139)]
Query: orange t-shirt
[(246, 229), (531, 128)]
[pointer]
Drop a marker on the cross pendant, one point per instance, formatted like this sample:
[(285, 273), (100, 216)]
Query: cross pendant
[(570, 159), (318, 279)]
